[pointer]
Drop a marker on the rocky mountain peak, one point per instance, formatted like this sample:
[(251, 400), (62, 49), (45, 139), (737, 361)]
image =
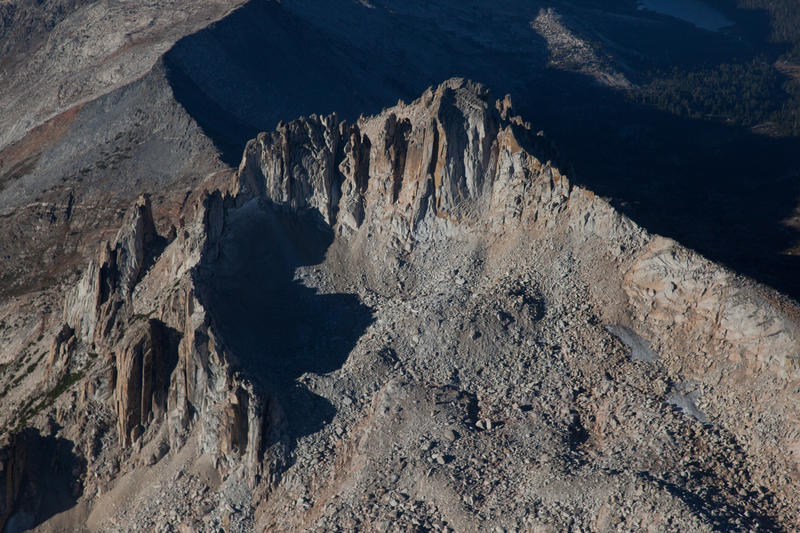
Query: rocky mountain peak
[(452, 154), (412, 302), (109, 281)]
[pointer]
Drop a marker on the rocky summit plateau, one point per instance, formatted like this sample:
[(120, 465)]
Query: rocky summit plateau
[(388, 316)]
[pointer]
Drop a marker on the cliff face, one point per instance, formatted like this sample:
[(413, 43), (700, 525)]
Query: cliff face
[(453, 155), (408, 321), (136, 307)]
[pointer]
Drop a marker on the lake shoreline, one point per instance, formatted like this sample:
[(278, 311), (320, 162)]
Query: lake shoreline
[(694, 12)]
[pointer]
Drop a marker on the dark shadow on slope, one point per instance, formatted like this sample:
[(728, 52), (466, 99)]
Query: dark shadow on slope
[(277, 328), (723, 511), (42, 476), (721, 190), (261, 65), (228, 133)]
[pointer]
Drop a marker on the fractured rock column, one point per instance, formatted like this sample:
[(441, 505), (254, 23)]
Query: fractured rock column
[(355, 171), (143, 377), (60, 349)]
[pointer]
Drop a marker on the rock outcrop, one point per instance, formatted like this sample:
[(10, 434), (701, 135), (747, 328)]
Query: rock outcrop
[(453, 155), (107, 285), (442, 357), (143, 369), (136, 307), (61, 347)]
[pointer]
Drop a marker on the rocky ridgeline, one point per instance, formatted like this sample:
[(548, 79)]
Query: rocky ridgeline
[(136, 306), (453, 156), (452, 179)]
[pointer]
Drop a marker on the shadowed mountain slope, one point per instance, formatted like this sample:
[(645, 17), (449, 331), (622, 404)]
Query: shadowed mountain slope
[(723, 190)]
